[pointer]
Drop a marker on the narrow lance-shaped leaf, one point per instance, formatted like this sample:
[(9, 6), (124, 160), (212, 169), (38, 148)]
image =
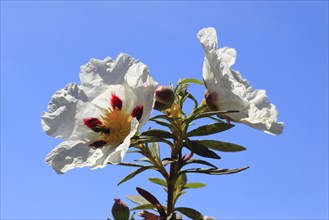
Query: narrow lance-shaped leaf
[(139, 200), (151, 139), (190, 80), (169, 119), (149, 197), (180, 182), (162, 123), (191, 213), (131, 164), (198, 161), (213, 113), (212, 171), (219, 145), (158, 181), (144, 207), (158, 133), (190, 96), (201, 150), (144, 159), (133, 174), (154, 150), (210, 129), (194, 185)]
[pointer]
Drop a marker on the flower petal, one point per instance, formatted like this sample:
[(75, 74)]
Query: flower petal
[(81, 131), (232, 91), (97, 75), (140, 97), (62, 108), (72, 154), (257, 116)]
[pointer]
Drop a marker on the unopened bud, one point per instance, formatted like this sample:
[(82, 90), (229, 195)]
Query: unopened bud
[(164, 97), (211, 99), (120, 210)]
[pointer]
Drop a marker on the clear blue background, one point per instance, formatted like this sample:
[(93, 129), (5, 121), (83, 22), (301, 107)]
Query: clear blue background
[(282, 47)]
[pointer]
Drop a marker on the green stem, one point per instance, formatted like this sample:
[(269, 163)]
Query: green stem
[(171, 188), (172, 178)]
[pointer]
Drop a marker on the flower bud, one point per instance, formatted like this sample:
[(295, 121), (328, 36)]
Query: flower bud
[(164, 97), (120, 210), (211, 99)]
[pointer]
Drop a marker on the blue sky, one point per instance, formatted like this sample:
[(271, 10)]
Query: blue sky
[(282, 47)]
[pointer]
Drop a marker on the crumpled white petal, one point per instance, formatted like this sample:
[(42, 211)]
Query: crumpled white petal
[(97, 75), (125, 77), (72, 154), (77, 154), (62, 107), (233, 92)]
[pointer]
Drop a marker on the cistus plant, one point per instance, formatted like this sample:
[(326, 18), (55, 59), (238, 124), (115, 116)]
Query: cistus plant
[(101, 118)]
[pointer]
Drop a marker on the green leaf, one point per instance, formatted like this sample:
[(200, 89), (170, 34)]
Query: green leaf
[(201, 150), (181, 181), (212, 171), (162, 123), (190, 80), (152, 199), (194, 185), (150, 139), (169, 119), (143, 207), (131, 164), (210, 129), (133, 174), (158, 181), (213, 113), (158, 133), (219, 145), (181, 89), (200, 162), (185, 96), (154, 150), (144, 159), (191, 213), (190, 96), (139, 200)]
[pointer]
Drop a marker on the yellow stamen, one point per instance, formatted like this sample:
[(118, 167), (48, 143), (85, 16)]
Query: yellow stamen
[(119, 124)]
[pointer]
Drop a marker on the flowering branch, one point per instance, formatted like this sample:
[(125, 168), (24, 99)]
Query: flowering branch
[(101, 118)]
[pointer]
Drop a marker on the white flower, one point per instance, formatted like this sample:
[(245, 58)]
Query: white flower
[(229, 91), (97, 118)]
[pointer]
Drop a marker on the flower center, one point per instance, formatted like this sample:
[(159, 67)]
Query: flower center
[(116, 126)]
